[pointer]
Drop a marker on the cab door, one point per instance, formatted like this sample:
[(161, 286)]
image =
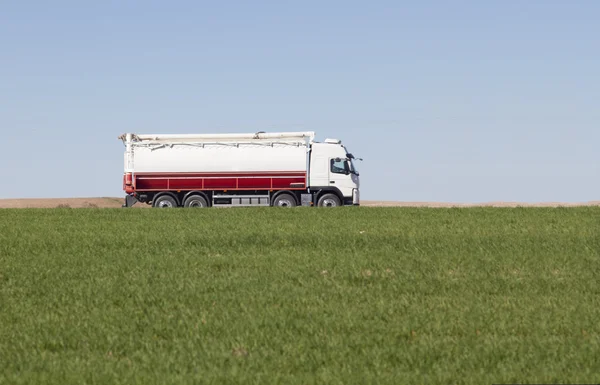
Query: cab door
[(340, 177)]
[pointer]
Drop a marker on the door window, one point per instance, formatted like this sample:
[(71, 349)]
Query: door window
[(338, 166)]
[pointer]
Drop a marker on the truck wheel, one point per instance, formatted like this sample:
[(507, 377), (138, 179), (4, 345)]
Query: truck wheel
[(329, 200), (165, 201), (195, 201), (284, 200)]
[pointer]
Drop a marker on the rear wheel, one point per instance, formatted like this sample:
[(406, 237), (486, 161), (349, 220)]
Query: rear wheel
[(329, 200), (284, 200), (195, 201), (165, 202)]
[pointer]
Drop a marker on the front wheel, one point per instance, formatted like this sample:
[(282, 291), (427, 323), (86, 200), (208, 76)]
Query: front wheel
[(329, 200)]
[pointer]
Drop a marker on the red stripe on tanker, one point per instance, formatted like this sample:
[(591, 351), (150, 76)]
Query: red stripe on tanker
[(220, 181)]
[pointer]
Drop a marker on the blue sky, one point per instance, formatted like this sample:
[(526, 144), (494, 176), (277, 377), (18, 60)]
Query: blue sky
[(463, 101)]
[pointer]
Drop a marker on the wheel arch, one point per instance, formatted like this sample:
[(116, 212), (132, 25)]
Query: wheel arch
[(320, 191)]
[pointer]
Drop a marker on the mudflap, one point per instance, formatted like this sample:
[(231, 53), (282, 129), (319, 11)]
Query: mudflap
[(130, 200)]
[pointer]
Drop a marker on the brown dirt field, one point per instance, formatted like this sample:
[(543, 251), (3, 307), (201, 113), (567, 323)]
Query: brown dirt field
[(117, 202), (61, 202)]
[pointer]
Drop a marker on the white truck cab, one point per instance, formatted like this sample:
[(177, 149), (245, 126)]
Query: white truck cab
[(331, 166)]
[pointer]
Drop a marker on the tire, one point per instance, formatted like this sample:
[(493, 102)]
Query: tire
[(329, 200), (195, 201), (284, 200), (165, 202)]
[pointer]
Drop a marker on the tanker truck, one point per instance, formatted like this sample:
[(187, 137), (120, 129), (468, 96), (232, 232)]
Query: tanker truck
[(283, 169)]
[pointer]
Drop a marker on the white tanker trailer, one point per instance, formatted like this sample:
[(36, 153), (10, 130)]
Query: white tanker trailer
[(264, 169)]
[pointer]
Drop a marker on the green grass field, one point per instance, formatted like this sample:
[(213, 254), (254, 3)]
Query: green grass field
[(300, 296)]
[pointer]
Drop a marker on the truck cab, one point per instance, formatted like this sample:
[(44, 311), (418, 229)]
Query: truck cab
[(332, 169)]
